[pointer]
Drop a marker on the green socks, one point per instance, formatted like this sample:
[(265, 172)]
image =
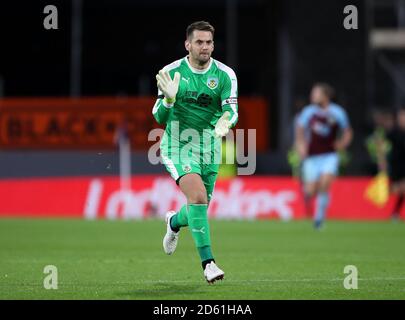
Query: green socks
[(200, 230), (179, 219), (196, 217), (205, 253)]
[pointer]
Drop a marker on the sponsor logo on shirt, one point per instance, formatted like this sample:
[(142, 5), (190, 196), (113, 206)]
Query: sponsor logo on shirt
[(203, 99), (321, 129)]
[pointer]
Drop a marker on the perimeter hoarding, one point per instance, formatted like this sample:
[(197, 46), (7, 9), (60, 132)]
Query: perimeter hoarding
[(151, 196)]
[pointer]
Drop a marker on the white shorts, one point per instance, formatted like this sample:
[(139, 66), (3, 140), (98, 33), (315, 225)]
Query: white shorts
[(316, 166)]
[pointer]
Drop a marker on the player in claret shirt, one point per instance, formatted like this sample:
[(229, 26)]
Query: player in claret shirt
[(197, 99), (322, 130)]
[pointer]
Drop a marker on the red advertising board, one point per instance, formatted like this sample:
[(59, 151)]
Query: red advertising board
[(241, 198), (92, 122)]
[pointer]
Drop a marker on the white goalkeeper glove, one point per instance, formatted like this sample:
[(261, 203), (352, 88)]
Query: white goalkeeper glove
[(168, 86), (223, 125)]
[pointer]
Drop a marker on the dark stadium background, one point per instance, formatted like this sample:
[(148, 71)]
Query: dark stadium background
[(276, 53)]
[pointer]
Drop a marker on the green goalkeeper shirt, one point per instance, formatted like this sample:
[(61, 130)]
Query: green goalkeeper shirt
[(203, 97)]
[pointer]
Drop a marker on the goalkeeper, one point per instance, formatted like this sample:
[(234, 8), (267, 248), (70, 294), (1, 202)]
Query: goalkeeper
[(196, 94)]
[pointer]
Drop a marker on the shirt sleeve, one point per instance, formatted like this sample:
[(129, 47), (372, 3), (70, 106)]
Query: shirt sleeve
[(229, 97), (304, 117), (342, 118), (161, 110)]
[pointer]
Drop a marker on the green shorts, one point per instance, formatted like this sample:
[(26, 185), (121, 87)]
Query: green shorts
[(180, 166)]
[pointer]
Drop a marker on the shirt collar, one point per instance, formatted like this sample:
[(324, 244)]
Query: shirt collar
[(194, 70)]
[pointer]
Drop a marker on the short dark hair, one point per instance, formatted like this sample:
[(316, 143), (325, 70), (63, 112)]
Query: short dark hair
[(201, 26), (327, 89)]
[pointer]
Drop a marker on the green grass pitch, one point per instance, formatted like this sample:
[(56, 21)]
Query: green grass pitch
[(261, 260)]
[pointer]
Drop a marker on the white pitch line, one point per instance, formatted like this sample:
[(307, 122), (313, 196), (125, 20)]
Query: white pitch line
[(273, 280), (234, 281)]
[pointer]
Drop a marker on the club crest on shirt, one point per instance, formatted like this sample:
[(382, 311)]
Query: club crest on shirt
[(212, 82)]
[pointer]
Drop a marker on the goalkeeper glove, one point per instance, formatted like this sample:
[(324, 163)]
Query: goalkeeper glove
[(223, 125), (168, 86)]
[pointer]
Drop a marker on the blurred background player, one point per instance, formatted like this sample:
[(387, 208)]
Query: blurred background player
[(395, 166), (199, 93), (293, 156), (228, 169), (377, 143), (322, 131)]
